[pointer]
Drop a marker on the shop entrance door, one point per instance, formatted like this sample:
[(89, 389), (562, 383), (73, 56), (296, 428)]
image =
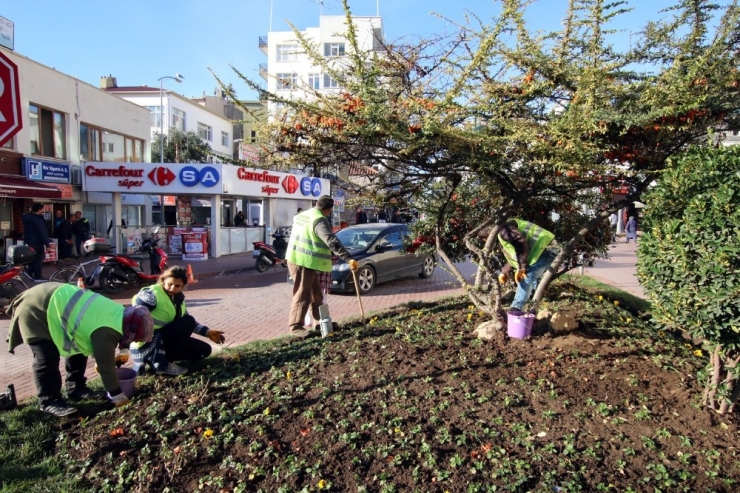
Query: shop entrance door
[(227, 213)]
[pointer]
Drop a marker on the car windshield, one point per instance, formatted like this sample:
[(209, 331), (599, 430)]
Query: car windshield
[(358, 238)]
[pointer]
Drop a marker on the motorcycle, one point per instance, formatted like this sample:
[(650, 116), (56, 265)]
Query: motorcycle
[(270, 256), (11, 283), (118, 272)]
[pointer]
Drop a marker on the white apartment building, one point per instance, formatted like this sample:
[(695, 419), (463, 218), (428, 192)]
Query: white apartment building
[(291, 73), (180, 112), (66, 122)]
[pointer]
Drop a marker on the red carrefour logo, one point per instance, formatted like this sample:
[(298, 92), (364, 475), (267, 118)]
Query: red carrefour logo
[(161, 176), (290, 184), (10, 100)]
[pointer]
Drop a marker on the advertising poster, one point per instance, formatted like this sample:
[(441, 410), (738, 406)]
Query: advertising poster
[(52, 255), (194, 246)]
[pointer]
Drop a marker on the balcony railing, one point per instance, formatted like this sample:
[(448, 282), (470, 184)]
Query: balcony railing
[(263, 44), (263, 70)]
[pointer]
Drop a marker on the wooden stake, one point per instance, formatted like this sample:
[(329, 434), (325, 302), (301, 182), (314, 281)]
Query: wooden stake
[(359, 299)]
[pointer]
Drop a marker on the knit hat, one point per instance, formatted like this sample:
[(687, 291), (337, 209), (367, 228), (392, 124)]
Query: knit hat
[(137, 325)]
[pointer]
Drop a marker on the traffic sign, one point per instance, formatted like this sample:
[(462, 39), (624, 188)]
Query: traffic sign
[(10, 100)]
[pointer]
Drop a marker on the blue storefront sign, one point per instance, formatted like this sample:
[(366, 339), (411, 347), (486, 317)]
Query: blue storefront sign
[(47, 171)]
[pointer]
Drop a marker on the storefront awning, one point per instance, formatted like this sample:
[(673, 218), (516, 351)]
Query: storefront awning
[(21, 188)]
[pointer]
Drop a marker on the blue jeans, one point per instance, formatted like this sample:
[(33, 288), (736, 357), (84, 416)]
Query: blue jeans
[(535, 271)]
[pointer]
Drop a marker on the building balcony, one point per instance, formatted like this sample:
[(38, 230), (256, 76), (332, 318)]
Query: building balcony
[(263, 70), (263, 44)]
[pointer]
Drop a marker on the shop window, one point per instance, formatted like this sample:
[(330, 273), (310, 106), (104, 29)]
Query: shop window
[(48, 132)]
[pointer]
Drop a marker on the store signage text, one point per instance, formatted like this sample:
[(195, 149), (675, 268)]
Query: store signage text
[(310, 186), (268, 190), (208, 176), (119, 172), (47, 171), (244, 174)]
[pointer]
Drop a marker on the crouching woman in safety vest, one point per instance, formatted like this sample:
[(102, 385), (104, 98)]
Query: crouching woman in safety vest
[(62, 320), (173, 327), (530, 250)]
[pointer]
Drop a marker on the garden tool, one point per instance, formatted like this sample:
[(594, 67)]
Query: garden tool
[(7, 399), (359, 300), (325, 321)]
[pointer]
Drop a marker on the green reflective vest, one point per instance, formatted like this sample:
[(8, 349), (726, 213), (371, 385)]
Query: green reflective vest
[(305, 248), (163, 313), (74, 314), (537, 240)]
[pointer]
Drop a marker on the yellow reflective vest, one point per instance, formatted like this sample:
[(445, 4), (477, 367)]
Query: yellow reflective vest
[(537, 240), (74, 314), (305, 248), (163, 313)]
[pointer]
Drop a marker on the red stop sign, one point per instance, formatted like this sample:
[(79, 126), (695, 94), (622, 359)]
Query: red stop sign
[(10, 100)]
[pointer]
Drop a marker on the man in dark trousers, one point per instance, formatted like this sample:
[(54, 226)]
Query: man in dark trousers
[(360, 216), (35, 235), (81, 228), (64, 235)]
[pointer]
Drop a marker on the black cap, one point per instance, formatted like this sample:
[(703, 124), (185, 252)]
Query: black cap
[(37, 207)]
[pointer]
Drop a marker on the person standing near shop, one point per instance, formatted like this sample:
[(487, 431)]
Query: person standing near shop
[(35, 235), (360, 216), (311, 244), (631, 229), (81, 228), (58, 219), (239, 219), (56, 320), (64, 237)]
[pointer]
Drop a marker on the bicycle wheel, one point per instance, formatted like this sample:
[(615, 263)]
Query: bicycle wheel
[(66, 275)]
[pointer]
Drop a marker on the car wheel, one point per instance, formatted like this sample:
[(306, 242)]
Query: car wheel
[(365, 278), (427, 268)]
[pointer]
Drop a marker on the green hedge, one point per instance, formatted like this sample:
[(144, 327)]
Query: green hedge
[(689, 255)]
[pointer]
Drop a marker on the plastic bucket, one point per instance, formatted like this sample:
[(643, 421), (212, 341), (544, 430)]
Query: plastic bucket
[(519, 325), (127, 380), (326, 327)]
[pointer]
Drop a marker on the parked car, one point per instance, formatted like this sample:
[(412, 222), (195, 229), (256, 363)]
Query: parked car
[(381, 251)]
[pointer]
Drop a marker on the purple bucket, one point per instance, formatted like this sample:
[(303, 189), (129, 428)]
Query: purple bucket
[(127, 381), (519, 324)]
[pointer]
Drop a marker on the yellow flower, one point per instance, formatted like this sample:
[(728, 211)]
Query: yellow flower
[(628, 320), (600, 298), (322, 484), (698, 353), (470, 315), (208, 433), (481, 314), (288, 375), (661, 333), (688, 346), (266, 412), (397, 430), (616, 302), (471, 308)]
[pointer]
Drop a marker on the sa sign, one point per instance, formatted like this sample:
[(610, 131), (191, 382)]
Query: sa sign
[(10, 100)]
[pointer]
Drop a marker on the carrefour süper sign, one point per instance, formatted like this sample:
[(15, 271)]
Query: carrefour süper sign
[(254, 182), (167, 178)]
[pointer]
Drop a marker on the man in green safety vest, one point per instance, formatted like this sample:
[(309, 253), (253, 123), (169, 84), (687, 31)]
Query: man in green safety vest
[(56, 320), (530, 250), (311, 244)]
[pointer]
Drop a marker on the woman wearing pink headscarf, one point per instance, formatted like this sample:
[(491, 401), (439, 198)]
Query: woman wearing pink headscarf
[(62, 320)]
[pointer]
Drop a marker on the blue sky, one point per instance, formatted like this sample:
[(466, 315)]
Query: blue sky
[(139, 41)]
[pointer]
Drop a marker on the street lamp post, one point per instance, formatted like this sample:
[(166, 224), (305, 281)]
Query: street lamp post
[(177, 78)]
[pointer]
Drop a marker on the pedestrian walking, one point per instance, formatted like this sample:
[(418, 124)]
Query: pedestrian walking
[(173, 327), (311, 244), (35, 235), (631, 229), (56, 320)]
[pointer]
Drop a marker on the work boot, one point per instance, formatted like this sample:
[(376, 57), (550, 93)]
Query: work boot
[(86, 393), (300, 333), (172, 369), (58, 407)]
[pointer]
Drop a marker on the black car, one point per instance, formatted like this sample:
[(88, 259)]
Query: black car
[(380, 248)]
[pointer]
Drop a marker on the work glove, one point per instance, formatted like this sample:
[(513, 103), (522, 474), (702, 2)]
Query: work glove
[(216, 336), (353, 264), (122, 357), (520, 275), (502, 278), (120, 399)]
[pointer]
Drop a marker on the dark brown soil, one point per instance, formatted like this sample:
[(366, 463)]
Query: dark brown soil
[(416, 403)]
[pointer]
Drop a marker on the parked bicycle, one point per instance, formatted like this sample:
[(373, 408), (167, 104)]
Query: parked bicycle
[(71, 273)]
